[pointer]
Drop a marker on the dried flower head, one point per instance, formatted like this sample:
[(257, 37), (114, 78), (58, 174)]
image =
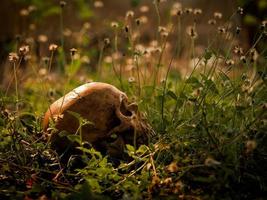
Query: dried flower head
[(144, 9), (238, 50), (86, 25), (24, 12), (67, 32), (98, 4), (126, 28), (176, 9), (197, 11), (131, 79), (217, 15), (188, 10), (230, 62), (32, 27), (243, 59), (45, 60), (42, 38), (32, 8), (162, 29), (221, 30), (42, 71), (13, 57), (143, 19), (85, 59), (53, 47), (114, 24), (240, 10), (129, 14), (62, 4), (23, 50), (191, 31), (137, 21), (73, 51), (108, 59), (212, 22), (253, 55), (164, 34), (106, 41)]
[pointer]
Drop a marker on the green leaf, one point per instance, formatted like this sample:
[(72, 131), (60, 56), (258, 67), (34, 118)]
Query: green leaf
[(172, 94), (194, 82), (211, 86), (74, 138), (130, 148)]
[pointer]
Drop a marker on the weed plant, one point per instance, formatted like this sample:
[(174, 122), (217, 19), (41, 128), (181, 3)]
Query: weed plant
[(208, 111)]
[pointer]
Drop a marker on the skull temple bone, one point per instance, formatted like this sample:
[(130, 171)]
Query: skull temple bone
[(114, 121)]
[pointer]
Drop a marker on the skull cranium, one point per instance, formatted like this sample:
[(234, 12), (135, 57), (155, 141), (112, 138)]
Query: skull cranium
[(115, 122)]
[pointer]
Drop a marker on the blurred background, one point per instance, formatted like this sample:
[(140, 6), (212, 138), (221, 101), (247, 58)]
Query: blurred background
[(85, 23)]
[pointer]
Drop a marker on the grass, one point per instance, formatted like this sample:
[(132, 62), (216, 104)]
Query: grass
[(210, 123)]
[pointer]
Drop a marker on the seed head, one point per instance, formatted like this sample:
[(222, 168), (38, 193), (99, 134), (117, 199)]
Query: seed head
[(243, 59), (42, 38), (240, 10), (13, 57), (126, 29), (188, 10), (191, 31), (238, 50), (221, 30), (23, 50), (114, 25), (161, 29), (32, 8), (53, 47), (62, 4), (106, 41), (138, 21), (144, 9), (212, 22), (230, 62), (129, 14), (164, 34), (98, 4), (24, 12), (217, 15), (86, 25), (197, 11), (143, 19), (253, 55), (131, 79), (45, 60), (73, 51)]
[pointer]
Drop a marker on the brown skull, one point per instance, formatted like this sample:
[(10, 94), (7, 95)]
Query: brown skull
[(114, 121)]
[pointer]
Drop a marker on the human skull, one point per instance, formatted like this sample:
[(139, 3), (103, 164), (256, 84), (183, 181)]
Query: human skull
[(114, 121)]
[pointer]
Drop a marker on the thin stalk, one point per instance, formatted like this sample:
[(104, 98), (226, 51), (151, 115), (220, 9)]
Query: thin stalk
[(99, 65), (158, 17), (16, 85), (62, 39)]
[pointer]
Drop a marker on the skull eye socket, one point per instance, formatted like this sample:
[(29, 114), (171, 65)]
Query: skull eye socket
[(124, 110)]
